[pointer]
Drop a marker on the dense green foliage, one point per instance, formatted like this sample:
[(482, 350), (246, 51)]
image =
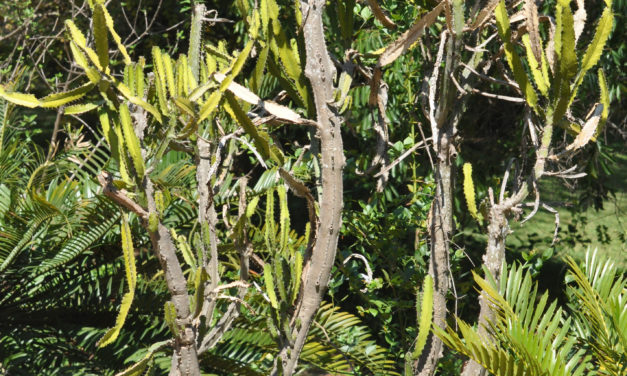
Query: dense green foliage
[(72, 261)]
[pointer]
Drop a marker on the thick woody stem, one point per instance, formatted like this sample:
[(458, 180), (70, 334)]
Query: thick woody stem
[(498, 229), (321, 73), (185, 357)]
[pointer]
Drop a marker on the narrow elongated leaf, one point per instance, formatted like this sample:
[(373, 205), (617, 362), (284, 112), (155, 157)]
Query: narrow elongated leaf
[(78, 37), (531, 21), (126, 92), (131, 278), (515, 64), (469, 191), (114, 34), (536, 71), (380, 15), (595, 48), (284, 215), (77, 109), (605, 101), (100, 36), (59, 99), (589, 129), (269, 282), (131, 141), (426, 316), (139, 368), (21, 99)]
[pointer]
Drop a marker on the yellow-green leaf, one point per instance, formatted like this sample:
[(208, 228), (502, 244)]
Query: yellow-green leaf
[(595, 48), (426, 316), (59, 99), (76, 109), (116, 37), (605, 101), (100, 36), (131, 278), (21, 99), (269, 282), (131, 141), (515, 64), (469, 191), (534, 66)]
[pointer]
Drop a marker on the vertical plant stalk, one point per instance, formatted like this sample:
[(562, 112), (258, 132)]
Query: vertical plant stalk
[(207, 220), (440, 222), (321, 73), (498, 229), (185, 357)]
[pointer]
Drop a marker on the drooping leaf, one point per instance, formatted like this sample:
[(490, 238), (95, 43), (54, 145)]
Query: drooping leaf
[(589, 129), (131, 278)]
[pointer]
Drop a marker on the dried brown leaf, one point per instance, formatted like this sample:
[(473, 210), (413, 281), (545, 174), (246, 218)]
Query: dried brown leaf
[(485, 14), (580, 19), (281, 112), (380, 14), (531, 13), (588, 130), (405, 41)]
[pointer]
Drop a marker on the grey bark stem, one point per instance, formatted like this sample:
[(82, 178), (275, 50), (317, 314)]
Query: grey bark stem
[(444, 128), (320, 71), (207, 220), (185, 357), (440, 230), (498, 229)]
